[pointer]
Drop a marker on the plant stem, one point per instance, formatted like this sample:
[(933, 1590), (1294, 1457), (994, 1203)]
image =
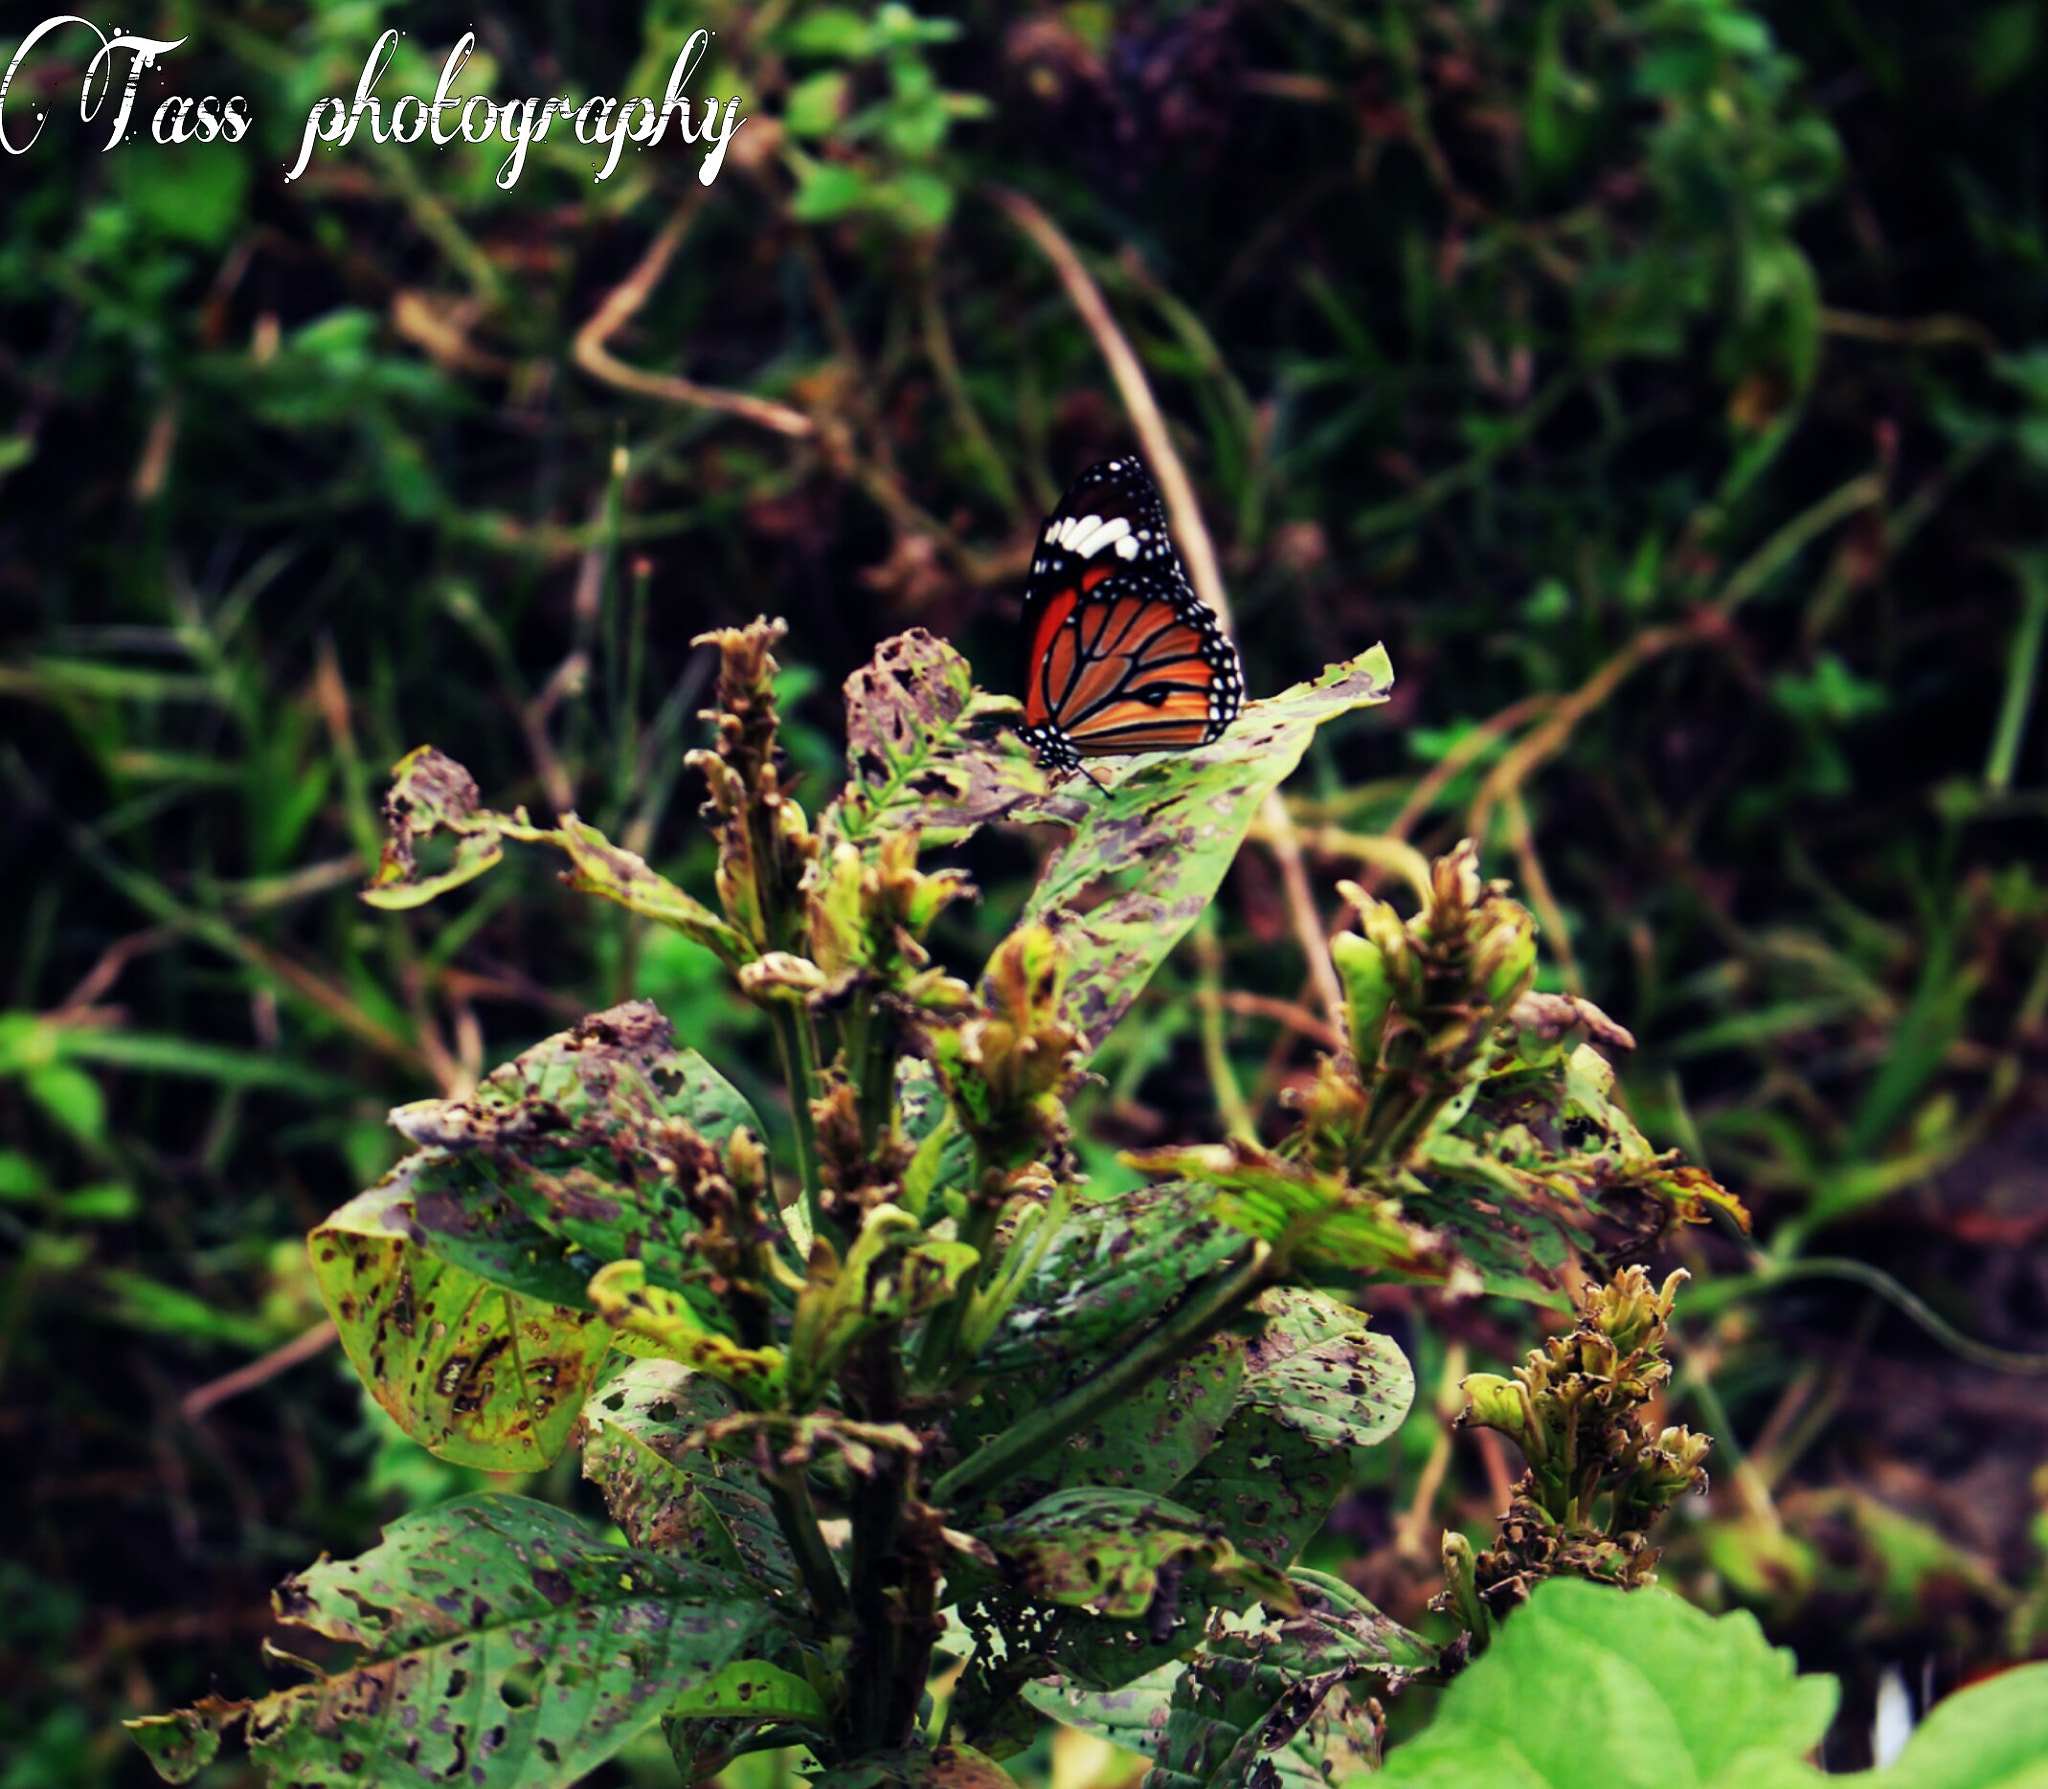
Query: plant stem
[(799, 1052), (2023, 667), (1204, 1310), (893, 1586), (871, 1064), (942, 1333), (791, 1502)]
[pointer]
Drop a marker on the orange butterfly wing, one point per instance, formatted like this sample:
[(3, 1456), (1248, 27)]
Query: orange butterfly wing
[(1120, 655), (1137, 666)]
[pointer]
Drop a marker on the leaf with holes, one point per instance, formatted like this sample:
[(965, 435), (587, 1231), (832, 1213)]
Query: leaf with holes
[(671, 1324), (432, 798), (1133, 1716), (606, 1136), (1114, 1552), (475, 1371), (748, 1690), (501, 1647), (1317, 1385), (925, 749), (1306, 1214), (1149, 1441), (1146, 858), (1253, 1694), (641, 1432), (1113, 1266)]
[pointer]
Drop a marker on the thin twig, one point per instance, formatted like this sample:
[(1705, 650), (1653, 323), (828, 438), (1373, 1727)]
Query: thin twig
[(1412, 1528), (1543, 742), (1432, 783), (301, 1348), (624, 301), (1135, 390), (1536, 885), (1291, 1015), (1230, 1106), (1910, 332)]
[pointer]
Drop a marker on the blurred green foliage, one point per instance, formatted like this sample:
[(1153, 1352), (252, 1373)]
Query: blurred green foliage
[(1663, 380)]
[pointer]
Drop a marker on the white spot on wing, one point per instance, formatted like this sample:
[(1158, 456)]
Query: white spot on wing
[(1101, 534)]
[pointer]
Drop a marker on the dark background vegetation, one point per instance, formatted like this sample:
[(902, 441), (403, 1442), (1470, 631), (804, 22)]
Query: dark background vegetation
[(1667, 384)]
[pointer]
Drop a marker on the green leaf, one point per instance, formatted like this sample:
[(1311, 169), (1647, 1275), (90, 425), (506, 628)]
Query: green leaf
[(1336, 1629), (432, 796), (1147, 857), (181, 1745), (1264, 1704), (73, 1098), (21, 1177), (1308, 1215), (925, 749), (1317, 1385), (920, 199), (1133, 1716), (625, 1300), (1628, 1689), (1112, 1552), (193, 192), (1148, 1442), (476, 1372), (816, 104), (826, 191), (602, 868), (1515, 1173), (642, 1433), (604, 1137), (1113, 1266), (750, 1691), (1249, 1691), (451, 1611), (835, 31), (943, 1154), (1318, 1368)]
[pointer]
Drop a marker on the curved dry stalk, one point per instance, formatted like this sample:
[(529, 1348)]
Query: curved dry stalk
[(1549, 737), (1432, 783), (308, 1346), (624, 301), (1135, 390), (1192, 532)]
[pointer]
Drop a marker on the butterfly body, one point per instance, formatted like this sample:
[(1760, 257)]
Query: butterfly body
[(1120, 655)]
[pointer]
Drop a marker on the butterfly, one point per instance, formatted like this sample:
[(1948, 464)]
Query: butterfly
[(1120, 654)]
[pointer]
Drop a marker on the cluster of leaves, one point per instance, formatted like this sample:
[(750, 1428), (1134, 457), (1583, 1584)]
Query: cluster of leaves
[(1099, 1431)]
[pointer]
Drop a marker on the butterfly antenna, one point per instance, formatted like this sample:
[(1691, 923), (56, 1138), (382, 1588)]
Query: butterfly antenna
[(1091, 776)]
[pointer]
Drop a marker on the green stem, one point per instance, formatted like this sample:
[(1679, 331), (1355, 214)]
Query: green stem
[(871, 1064), (1204, 1310), (942, 1334), (814, 1563), (799, 1052), (893, 1582), (2023, 667)]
